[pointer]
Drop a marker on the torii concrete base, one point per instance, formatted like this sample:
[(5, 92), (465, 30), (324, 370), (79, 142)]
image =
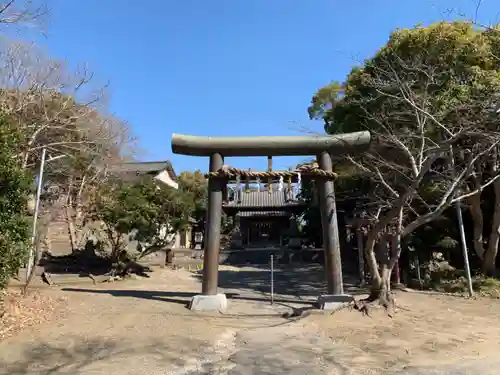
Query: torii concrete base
[(202, 302), (332, 302)]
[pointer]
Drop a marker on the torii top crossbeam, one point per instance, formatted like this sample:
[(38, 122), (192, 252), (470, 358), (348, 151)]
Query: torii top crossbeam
[(271, 146)]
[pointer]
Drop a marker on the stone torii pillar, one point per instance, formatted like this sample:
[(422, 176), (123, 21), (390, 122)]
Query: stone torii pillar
[(219, 147)]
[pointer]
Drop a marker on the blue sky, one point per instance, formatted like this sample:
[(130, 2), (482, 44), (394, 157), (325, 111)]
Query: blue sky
[(227, 67)]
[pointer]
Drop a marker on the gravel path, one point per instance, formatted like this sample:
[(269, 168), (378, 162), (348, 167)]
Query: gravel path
[(137, 328)]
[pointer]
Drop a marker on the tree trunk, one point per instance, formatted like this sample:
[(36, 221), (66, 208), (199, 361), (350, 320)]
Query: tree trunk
[(73, 217), (48, 241), (39, 237), (71, 229), (381, 287), (361, 255), (69, 216), (397, 276), (477, 219), (381, 282), (380, 291), (490, 256), (372, 259), (388, 257), (395, 254)]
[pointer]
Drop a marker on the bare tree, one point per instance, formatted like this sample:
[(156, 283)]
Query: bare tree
[(65, 113), (424, 154), (486, 247), (26, 13), (54, 107), (82, 178)]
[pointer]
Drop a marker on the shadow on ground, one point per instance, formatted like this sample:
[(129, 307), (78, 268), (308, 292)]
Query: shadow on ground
[(85, 262), (300, 281), (81, 355), (299, 285), (78, 262), (262, 256), (182, 298)]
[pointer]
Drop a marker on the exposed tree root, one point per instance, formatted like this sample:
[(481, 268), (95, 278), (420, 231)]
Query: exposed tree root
[(376, 300), (120, 271)]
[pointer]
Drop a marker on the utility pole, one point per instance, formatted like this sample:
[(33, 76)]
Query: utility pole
[(31, 257)]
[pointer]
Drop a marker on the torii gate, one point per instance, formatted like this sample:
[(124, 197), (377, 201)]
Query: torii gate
[(216, 148)]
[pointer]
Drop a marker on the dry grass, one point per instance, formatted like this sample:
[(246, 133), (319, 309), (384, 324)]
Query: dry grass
[(19, 312)]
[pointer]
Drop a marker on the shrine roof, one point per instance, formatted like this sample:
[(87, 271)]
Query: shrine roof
[(263, 213), (264, 199)]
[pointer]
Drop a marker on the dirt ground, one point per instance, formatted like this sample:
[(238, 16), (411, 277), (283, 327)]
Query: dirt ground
[(427, 330), (142, 326)]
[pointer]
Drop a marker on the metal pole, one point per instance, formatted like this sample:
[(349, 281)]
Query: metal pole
[(272, 279), (31, 256), (464, 248), (212, 229), (417, 261), (329, 223), (462, 233)]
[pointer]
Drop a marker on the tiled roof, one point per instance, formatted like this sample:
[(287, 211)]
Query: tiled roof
[(264, 199), (144, 168), (262, 213)]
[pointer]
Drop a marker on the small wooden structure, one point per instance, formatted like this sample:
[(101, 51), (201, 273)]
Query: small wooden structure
[(263, 208), (216, 148), (262, 217)]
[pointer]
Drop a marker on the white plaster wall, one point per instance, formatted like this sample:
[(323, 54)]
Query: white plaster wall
[(165, 178)]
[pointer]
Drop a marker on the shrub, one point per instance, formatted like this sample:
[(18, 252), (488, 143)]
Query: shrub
[(14, 192)]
